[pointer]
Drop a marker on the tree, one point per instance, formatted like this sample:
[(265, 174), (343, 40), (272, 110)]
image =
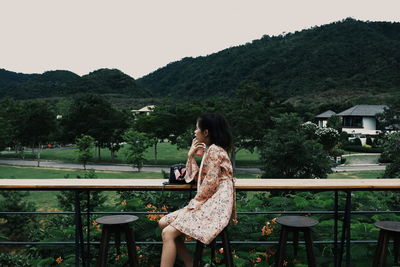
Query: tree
[(5, 130), (85, 144), (328, 137), (11, 111), (248, 114), (391, 151), (287, 153), (156, 125), (137, 144), (38, 123), (335, 122), (92, 115)]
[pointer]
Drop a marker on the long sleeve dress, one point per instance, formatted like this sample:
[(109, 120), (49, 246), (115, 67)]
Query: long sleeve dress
[(209, 212)]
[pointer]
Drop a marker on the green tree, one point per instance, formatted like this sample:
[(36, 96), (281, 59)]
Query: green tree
[(5, 130), (137, 144), (335, 122), (328, 137), (248, 114), (85, 144), (287, 153), (157, 125), (12, 113), (94, 116), (391, 151), (38, 123)]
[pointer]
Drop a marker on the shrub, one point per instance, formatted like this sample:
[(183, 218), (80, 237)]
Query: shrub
[(11, 260), (369, 141), (356, 142)]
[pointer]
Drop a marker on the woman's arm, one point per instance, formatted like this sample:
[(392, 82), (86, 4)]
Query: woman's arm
[(192, 170), (212, 175)]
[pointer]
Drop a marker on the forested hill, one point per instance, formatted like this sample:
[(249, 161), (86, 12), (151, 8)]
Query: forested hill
[(341, 56), (64, 83), (9, 77)]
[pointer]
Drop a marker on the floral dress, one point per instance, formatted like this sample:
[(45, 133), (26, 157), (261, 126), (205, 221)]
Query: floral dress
[(209, 212)]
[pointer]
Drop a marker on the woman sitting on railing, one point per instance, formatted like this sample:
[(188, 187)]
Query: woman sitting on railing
[(209, 212)]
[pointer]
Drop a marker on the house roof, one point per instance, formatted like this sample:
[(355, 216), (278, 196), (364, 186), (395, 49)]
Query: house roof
[(145, 109), (326, 114), (363, 110)]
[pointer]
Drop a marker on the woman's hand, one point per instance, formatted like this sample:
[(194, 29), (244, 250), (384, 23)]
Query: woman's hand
[(195, 145)]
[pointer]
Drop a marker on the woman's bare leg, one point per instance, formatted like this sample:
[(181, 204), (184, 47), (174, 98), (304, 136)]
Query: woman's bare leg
[(181, 248), (169, 249), (183, 252)]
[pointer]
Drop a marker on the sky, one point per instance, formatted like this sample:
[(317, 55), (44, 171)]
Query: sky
[(138, 37)]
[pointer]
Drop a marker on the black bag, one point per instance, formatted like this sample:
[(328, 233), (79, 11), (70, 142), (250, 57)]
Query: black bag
[(177, 174)]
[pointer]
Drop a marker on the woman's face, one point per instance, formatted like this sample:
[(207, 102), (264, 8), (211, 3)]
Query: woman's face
[(201, 136)]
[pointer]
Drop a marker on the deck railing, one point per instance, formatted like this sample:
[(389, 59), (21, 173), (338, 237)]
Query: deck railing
[(79, 185)]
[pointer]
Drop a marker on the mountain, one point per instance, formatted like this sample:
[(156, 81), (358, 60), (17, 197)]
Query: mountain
[(344, 56), (9, 77), (64, 83)]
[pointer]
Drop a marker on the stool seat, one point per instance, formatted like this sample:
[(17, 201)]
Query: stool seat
[(388, 226), (117, 224), (295, 224), (116, 219), (296, 221), (389, 229)]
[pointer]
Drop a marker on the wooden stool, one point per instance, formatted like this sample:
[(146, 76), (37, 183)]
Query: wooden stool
[(389, 229), (225, 244), (117, 224), (296, 224)]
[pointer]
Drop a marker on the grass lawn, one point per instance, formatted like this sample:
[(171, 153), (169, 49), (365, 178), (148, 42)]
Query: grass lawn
[(47, 200), (168, 154), (356, 175), (361, 159)]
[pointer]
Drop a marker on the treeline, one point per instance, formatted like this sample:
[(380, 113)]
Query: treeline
[(65, 83), (342, 57), (288, 146)]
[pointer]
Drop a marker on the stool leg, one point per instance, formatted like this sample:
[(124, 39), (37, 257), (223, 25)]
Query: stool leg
[(382, 248), (227, 249), (212, 246), (295, 241), (130, 241), (282, 246), (396, 247), (118, 241), (198, 254), (105, 238), (378, 249), (309, 246)]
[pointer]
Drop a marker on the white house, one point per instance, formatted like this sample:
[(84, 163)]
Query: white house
[(361, 119), (145, 110), (322, 119)]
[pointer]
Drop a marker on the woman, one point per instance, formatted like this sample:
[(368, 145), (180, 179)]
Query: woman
[(209, 212)]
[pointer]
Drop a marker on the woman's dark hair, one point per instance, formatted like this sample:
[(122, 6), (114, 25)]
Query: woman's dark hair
[(218, 129)]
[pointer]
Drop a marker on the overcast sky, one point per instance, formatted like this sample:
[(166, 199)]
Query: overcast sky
[(139, 37)]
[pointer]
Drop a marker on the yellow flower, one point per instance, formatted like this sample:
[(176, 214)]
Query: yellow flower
[(123, 202)]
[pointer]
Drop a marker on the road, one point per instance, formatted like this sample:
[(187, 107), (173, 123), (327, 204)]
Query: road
[(124, 167)]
